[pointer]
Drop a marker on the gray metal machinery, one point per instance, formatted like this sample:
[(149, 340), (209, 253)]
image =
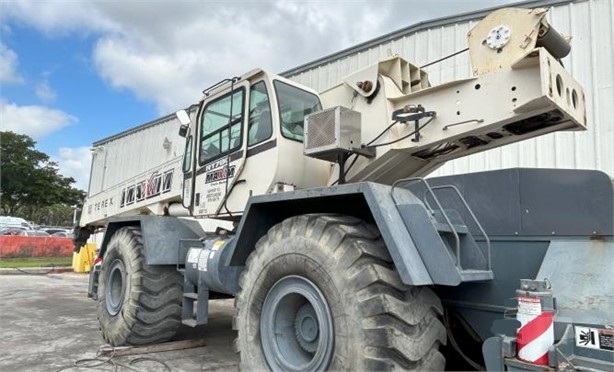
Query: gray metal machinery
[(342, 257)]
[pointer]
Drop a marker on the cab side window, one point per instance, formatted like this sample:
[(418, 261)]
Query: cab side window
[(187, 157), (260, 124), (221, 126), (294, 105)]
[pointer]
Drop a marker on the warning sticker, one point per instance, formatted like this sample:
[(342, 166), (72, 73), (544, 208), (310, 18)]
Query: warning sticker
[(193, 255), (202, 261), (594, 338), (529, 305)]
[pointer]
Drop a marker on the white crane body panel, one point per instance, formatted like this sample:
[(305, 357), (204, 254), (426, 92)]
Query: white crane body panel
[(135, 172), (145, 193)]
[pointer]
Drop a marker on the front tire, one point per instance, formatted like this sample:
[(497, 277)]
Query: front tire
[(321, 292), (137, 303)]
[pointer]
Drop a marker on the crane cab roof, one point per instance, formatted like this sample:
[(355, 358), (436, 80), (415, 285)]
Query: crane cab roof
[(250, 75)]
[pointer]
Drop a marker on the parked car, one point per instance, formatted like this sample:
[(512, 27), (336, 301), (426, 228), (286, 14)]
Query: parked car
[(12, 230), (62, 234), (8, 221), (20, 232), (36, 233), (53, 230)]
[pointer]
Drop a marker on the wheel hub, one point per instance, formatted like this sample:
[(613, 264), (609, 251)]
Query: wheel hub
[(306, 327), (296, 326), (115, 288)]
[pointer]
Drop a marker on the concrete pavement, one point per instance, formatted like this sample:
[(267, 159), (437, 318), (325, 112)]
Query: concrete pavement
[(47, 323)]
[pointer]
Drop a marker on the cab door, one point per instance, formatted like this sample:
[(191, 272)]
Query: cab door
[(220, 145)]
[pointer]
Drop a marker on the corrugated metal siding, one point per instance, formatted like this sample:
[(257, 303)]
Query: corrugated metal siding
[(591, 62), (134, 152)]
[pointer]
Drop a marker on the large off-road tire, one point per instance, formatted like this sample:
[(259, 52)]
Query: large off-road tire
[(137, 303), (321, 292)]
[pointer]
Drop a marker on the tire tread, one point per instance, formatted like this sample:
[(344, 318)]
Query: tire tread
[(152, 311), (401, 323)]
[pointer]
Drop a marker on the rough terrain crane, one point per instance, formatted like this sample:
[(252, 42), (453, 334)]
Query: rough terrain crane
[(341, 256)]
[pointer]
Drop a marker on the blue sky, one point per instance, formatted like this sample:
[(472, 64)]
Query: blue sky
[(74, 72), (58, 73)]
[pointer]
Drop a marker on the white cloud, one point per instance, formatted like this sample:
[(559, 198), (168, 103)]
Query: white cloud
[(194, 45), (75, 163), (35, 121), (8, 66), (167, 80), (57, 18), (44, 92), (166, 52)]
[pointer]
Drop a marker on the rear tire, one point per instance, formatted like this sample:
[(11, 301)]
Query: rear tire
[(137, 303), (321, 292)]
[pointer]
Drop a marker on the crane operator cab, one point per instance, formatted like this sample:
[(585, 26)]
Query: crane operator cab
[(246, 138)]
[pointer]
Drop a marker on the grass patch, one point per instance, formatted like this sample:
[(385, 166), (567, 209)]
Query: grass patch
[(35, 262)]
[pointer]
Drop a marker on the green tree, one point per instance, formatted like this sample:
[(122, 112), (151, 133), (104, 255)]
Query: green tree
[(55, 215), (29, 181)]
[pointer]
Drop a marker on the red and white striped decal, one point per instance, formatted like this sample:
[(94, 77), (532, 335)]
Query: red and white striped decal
[(536, 332)]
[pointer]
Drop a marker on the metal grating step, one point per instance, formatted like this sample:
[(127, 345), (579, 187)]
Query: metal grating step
[(193, 296), (445, 228), (476, 275)]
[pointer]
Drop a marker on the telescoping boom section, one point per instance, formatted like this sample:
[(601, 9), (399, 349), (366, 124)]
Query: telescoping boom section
[(395, 124)]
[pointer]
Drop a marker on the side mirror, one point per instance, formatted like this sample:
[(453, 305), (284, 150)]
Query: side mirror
[(184, 119), (183, 131)]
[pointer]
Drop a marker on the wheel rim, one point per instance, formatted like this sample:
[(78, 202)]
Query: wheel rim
[(296, 326), (115, 288)]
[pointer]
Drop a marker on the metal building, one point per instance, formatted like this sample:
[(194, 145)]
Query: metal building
[(591, 62), (134, 152)]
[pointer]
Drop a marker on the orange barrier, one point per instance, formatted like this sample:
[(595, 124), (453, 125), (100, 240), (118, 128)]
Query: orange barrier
[(35, 246)]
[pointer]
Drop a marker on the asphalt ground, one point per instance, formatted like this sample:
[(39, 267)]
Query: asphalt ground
[(47, 323)]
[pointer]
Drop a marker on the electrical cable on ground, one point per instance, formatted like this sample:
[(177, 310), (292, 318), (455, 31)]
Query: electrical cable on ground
[(31, 273), (100, 361)]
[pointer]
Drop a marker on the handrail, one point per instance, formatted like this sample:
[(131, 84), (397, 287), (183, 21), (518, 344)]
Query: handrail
[(445, 216), (432, 191), (482, 231), (443, 213)]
